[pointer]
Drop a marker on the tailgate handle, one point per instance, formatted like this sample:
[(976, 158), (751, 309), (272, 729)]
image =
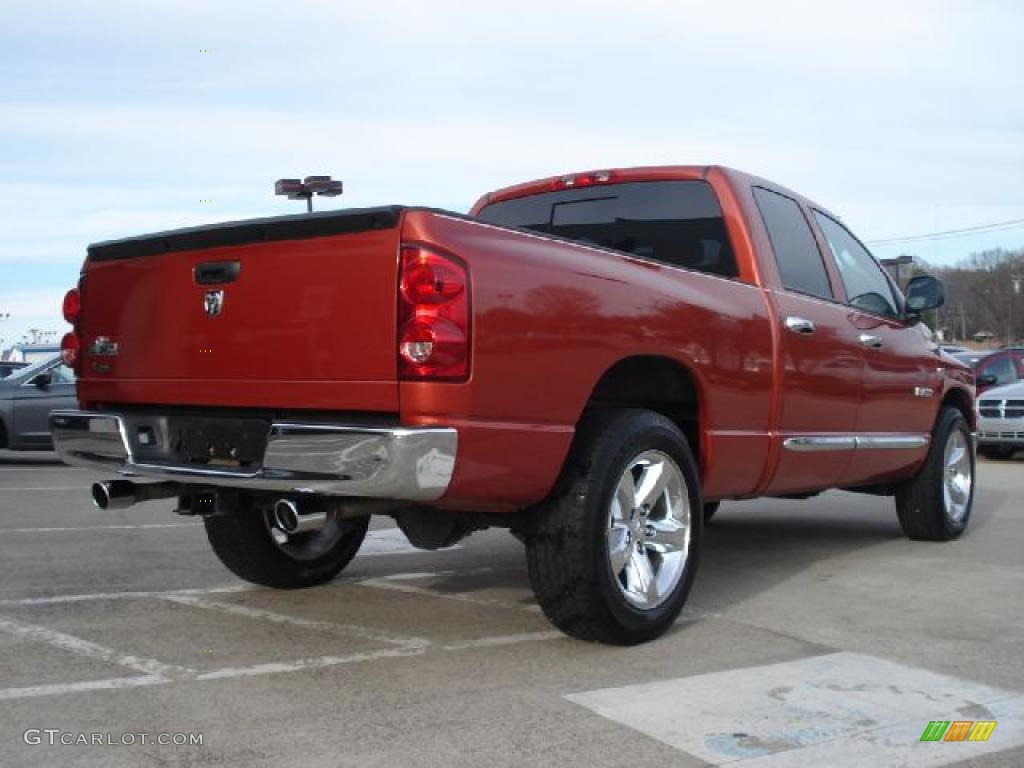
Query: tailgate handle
[(217, 272)]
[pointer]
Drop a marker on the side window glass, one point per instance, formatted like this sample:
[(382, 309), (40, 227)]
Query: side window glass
[(796, 252), (61, 374), (1018, 359), (1001, 368), (866, 285)]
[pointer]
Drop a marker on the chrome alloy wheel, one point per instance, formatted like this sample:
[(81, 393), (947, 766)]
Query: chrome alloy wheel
[(958, 476), (649, 530)]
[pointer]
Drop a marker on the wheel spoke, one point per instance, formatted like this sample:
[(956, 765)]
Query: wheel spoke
[(670, 536), (957, 453), (618, 548), (622, 502), (651, 484), (640, 574)]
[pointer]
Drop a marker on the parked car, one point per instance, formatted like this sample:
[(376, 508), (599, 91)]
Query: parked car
[(26, 398), (7, 367), (997, 369), (955, 349), (1001, 421), (971, 358), (593, 360)]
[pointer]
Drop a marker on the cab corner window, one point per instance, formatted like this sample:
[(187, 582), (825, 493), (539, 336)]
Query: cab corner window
[(867, 287), (796, 253)]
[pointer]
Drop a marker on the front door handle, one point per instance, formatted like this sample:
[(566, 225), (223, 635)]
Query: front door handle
[(871, 341), (799, 325)]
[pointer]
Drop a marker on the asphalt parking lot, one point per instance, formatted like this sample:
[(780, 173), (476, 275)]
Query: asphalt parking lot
[(815, 635)]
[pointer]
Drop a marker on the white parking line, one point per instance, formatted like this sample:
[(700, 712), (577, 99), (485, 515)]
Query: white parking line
[(277, 667), (350, 630), (91, 528), (128, 595), (154, 672), (48, 488), (92, 650), (502, 640), (383, 541), (42, 468), (395, 585), (110, 684)]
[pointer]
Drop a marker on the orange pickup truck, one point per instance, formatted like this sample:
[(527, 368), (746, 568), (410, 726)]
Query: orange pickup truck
[(594, 361)]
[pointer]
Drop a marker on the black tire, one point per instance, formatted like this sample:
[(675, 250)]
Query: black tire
[(567, 549), (710, 507), (920, 502), (243, 543), (997, 452)]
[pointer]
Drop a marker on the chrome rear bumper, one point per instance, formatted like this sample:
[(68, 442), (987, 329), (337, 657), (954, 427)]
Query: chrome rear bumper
[(409, 464)]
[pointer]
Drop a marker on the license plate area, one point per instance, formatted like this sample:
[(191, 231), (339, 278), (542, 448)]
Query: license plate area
[(216, 441)]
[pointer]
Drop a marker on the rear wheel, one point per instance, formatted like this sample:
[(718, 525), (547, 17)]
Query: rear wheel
[(936, 504), (252, 547), (613, 552)]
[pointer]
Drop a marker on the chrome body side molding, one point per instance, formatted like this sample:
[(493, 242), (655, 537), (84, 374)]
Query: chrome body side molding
[(855, 442)]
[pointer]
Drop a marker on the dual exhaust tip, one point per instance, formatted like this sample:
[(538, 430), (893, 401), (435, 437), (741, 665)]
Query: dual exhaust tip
[(118, 494), (290, 516)]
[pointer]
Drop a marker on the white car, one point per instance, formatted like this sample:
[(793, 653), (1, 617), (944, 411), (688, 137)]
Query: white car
[(1001, 421)]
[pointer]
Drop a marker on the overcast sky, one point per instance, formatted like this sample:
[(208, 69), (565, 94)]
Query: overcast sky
[(902, 117)]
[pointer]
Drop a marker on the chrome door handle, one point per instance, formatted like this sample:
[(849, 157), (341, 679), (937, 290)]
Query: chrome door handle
[(871, 342), (799, 325)]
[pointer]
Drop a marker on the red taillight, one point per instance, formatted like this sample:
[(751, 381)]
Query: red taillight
[(433, 316), (582, 180), (69, 347), (72, 305)]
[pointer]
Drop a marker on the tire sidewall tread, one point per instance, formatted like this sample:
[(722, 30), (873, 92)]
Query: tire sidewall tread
[(920, 504), (567, 550)]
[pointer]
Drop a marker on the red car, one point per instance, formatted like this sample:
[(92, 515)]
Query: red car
[(999, 368), (594, 361)]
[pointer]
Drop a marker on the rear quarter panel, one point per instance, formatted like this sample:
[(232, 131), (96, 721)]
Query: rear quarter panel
[(550, 317)]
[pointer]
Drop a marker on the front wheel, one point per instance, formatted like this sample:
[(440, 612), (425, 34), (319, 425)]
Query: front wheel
[(250, 545), (613, 552), (936, 504)]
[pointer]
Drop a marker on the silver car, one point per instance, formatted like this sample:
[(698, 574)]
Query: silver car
[(1001, 421), (26, 398)]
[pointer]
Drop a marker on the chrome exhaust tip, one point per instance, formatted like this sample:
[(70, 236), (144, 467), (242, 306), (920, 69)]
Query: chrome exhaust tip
[(115, 494), (292, 516), (119, 494)]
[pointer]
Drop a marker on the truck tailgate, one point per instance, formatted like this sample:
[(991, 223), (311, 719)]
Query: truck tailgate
[(291, 312)]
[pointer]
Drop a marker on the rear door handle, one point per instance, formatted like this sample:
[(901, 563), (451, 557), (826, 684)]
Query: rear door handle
[(871, 342), (800, 325)]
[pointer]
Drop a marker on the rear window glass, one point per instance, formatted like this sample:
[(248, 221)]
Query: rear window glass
[(674, 222)]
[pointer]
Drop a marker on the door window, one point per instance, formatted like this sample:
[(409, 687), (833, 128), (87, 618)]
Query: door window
[(1018, 359), (61, 374), (1001, 368), (867, 286), (800, 263)]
